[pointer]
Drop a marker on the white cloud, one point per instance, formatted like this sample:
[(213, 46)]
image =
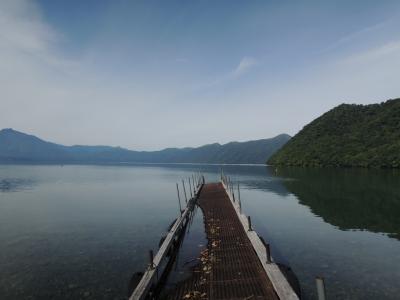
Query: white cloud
[(66, 101)]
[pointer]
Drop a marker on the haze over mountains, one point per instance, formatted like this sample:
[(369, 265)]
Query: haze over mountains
[(19, 147)]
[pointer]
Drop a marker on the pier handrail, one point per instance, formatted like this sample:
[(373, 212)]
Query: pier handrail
[(151, 272), (278, 280)]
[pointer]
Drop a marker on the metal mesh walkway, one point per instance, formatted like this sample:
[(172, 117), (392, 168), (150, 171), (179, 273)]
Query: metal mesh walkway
[(229, 268)]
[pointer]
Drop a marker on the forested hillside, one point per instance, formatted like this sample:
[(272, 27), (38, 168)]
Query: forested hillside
[(350, 136)]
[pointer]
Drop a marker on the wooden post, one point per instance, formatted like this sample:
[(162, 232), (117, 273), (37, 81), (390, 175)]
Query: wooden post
[(179, 199), (268, 253), (249, 220), (151, 256), (320, 287), (194, 186), (184, 190)]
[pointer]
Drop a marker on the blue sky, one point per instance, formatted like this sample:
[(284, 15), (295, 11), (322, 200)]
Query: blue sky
[(155, 74)]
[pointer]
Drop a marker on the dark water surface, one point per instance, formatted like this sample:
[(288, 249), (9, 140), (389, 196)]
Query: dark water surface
[(80, 232)]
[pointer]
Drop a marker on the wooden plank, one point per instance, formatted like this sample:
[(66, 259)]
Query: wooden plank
[(278, 280)]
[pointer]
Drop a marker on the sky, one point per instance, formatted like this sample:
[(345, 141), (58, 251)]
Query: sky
[(147, 75)]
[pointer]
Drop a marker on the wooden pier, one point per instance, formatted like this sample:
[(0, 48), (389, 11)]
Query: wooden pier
[(236, 263)]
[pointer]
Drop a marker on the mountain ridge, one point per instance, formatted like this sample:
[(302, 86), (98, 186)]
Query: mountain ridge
[(17, 147)]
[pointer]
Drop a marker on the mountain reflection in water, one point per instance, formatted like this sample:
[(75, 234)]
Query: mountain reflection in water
[(351, 199)]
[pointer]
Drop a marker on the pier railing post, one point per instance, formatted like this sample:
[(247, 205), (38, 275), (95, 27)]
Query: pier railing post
[(190, 187), (179, 199), (249, 221), (320, 287), (268, 253), (238, 192), (184, 191), (151, 257)]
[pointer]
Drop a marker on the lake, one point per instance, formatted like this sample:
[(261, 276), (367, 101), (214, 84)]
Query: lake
[(80, 232)]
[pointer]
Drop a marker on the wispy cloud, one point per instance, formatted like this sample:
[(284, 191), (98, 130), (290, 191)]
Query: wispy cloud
[(353, 36), (42, 91), (244, 65), (375, 53), (99, 96)]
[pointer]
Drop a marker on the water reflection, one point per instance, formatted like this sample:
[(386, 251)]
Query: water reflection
[(81, 231), (15, 184), (349, 199)]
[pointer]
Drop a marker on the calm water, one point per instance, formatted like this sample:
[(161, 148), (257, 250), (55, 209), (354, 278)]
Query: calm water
[(81, 231)]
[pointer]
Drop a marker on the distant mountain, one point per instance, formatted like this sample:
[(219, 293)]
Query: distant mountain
[(350, 136), (20, 147)]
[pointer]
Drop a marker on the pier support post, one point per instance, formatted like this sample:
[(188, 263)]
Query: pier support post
[(320, 287), (268, 253)]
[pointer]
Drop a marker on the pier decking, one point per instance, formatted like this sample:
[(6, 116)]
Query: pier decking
[(236, 263), (229, 268)]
